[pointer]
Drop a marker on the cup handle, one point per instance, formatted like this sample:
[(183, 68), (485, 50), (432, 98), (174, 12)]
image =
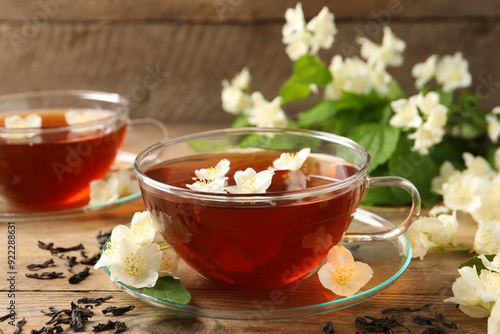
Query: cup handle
[(390, 181), (137, 140)]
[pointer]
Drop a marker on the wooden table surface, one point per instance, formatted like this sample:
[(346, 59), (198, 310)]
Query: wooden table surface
[(427, 281)]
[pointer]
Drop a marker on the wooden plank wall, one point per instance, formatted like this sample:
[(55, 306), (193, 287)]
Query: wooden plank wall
[(169, 57)]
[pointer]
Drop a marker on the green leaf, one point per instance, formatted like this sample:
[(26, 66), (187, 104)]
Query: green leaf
[(379, 140), (418, 169), (476, 261), (293, 90), (445, 98), (318, 113), (169, 288), (395, 91), (199, 145), (311, 70), (241, 122)]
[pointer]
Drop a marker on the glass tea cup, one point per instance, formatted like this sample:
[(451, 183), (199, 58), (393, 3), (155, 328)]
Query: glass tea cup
[(261, 240), (46, 167)]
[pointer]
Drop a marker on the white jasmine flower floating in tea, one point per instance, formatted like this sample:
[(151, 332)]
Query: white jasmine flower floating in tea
[(209, 186), (219, 171), (76, 117), (212, 179), (341, 274), (251, 182), (30, 122), (291, 161)]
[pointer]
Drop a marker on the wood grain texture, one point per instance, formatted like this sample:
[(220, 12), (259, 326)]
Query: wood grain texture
[(174, 71), (425, 281), (217, 11)]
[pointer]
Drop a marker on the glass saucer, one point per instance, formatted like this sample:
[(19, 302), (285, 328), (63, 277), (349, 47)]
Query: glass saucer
[(388, 259), (10, 213)]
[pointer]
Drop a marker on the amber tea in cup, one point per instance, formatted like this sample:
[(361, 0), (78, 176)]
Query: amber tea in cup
[(52, 165), (260, 240)]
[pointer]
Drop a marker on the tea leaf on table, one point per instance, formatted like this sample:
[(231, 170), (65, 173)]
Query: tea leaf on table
[(476, 261), (169, 288), (378, 139)]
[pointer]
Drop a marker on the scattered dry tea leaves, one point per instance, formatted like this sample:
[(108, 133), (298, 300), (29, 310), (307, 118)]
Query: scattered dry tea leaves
[(91, 300), (78, 277), (46, 275), (36, 266), (119, 310)]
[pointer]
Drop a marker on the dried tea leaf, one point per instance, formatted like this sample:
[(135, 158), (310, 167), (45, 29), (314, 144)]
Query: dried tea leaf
[(169, 288), (433, 330), (118, 310), (446, 323), (90, 300), (422, 320), (407, 308), (40, 265), (78, 277), (328, 327), (46, 275)]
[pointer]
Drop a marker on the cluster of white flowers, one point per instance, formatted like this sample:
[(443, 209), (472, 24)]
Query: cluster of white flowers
[(30, 122), (435, 231), (451, 72), (138, 255), (236, 99), (476, 191), (478, 294), (341, 274), (307, 38), (424, 113), (109, 190), (214, 179), (493, 127), (359, 76)]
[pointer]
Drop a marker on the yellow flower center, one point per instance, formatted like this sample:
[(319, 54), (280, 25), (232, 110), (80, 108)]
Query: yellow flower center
[(246, 182), (490, 241), (141, 229), (344, 275), (492, 279), (167, 262), (110, 249), (212, 171), (134, 265), (289, 157)]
